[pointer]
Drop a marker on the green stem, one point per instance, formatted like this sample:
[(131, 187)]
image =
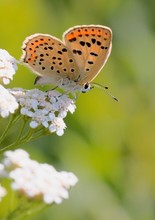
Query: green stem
[(28, 208), (18, 116), (21, 131), (38, 136), (22, 140), (35, 208), (27, 136), (7, 128), (32, 134), (13, 120)]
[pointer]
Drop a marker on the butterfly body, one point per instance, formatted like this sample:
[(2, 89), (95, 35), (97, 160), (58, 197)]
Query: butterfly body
[(71, 63)]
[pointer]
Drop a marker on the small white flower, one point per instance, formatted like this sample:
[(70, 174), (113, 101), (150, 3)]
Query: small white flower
[(71, 107), (8, 103), (36, 180), (8, 66), (2, 192), (57, 126), (34, 124), (62, 114)]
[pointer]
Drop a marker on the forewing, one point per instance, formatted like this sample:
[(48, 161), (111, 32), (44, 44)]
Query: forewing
[(91, 47), (48, 56)]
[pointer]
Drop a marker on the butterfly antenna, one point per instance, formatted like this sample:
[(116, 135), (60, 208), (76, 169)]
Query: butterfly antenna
[(105, 88)]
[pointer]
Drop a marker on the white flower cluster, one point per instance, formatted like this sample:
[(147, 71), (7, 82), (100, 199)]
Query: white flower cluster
[(35, 180), (8, 67), (45, 108)]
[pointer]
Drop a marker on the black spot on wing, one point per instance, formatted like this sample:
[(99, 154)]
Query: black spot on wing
[(88, 44), (59, 52), (93, 40), (90, 62), (103, 47), (82, 43), (93, 54), (72, 39), (98, 43), (79, 52), (64, 50)]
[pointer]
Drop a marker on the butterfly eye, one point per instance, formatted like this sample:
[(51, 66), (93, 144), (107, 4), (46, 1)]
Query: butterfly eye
[(86, 87)]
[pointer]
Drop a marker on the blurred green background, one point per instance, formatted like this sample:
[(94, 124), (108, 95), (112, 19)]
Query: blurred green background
[(109, 146)]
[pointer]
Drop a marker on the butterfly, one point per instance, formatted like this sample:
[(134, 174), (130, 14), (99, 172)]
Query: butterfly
[(71, 63)]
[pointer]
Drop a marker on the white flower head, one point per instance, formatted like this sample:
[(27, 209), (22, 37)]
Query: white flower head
[(8, 66), (8, 103), (47, 109), (38, 181)]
